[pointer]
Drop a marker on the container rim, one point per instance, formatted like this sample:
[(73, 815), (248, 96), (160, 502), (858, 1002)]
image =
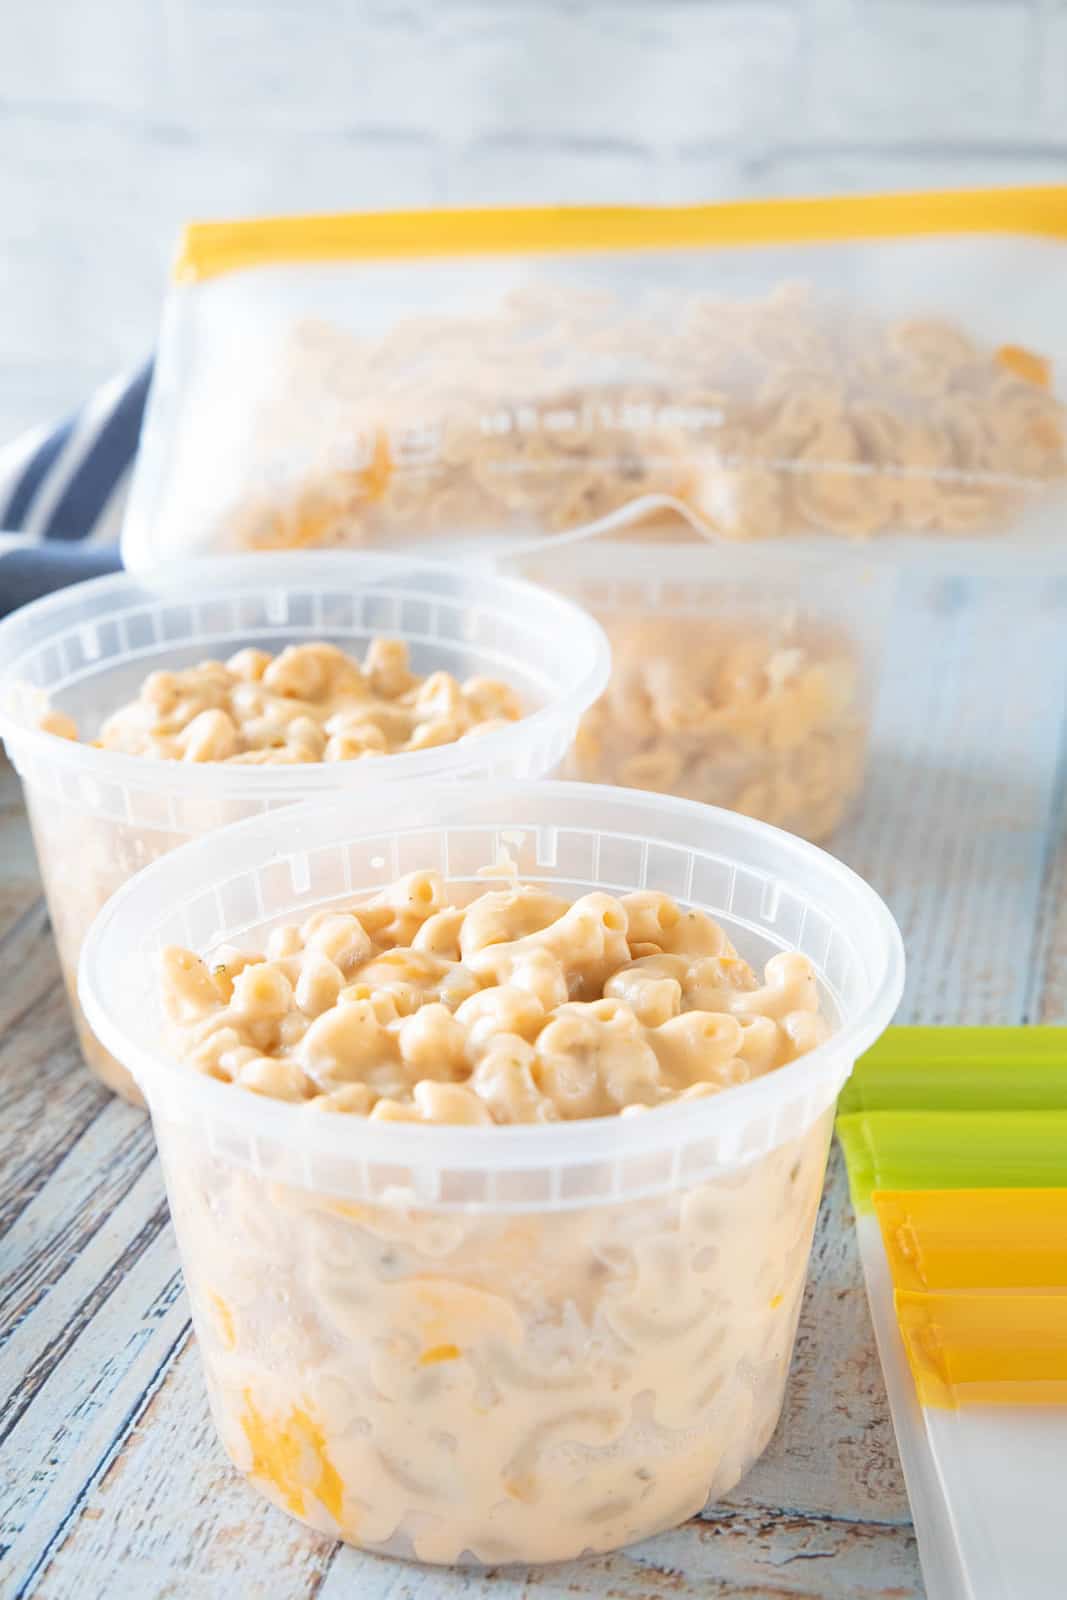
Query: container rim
[(254, 842), (27, 630)]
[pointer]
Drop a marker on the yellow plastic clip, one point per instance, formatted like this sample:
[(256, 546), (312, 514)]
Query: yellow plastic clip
[(939, 1239), (986, 1349)]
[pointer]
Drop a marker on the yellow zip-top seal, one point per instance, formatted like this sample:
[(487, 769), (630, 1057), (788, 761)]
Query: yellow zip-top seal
[(210, 249), (986, 1349), (938, 1239)]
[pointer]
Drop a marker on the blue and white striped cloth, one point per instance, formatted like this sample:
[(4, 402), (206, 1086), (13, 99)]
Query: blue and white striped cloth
[(63, 490)]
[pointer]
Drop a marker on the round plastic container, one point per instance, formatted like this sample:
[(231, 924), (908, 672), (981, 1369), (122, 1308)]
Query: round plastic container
[(99, 815), (510, 1344), (742, 675)]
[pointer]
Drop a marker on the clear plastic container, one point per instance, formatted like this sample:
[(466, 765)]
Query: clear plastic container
[(742, 676), (99, 815), (510, 1344)]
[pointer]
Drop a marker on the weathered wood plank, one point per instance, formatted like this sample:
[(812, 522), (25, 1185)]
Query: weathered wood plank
[(46, 1099), (173, 1517), (747, 1554), (1047, 1000), (94, 1348), (964, 794), (96, 1212), (29, 970), (18, 867), (765, 1556)]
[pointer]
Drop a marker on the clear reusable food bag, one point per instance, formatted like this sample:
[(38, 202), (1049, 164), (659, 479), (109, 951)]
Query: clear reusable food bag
[(840, 367)]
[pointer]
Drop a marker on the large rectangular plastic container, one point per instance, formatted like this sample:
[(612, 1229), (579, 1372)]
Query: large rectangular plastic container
[(744, 676), (507, 1344), (100, 815)]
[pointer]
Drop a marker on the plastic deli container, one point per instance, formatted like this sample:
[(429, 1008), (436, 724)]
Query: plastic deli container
[(743, 676), (100, 815), (509, 1344)]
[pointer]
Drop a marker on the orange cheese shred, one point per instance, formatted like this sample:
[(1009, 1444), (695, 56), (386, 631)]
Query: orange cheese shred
[(293, 1459), (1026, 364)]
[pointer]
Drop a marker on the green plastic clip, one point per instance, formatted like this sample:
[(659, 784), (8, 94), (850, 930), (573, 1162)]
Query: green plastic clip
[(904, 1150), (961, 1069)]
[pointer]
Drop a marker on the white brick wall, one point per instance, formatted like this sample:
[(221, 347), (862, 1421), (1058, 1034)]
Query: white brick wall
[(119, 120)]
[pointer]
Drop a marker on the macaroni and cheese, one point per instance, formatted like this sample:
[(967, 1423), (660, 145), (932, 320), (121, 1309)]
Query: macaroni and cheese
[(311, 702), (493, 1386), (515, 1008), (767, 718), (790, 413)]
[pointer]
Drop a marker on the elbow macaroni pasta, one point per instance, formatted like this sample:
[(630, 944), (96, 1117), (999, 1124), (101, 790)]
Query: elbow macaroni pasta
[(764, 417), (533, 1011), (496, 1387), (522, 1387), (312, 702), (767, 719)]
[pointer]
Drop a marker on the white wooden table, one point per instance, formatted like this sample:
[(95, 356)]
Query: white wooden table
[(112, 1482)]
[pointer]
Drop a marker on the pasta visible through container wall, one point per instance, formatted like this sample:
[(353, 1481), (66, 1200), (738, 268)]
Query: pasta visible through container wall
[(496, 1386), (769, 718), (83, 861), (500, 1388), (789, 414)]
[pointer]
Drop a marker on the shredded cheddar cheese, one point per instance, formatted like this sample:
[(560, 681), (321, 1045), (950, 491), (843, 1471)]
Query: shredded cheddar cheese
[(293, 1458), (1026, 364), (224, 1321), (438, 1353)]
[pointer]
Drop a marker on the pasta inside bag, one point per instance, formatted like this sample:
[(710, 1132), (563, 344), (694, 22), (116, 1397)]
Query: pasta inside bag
[(849, 368)]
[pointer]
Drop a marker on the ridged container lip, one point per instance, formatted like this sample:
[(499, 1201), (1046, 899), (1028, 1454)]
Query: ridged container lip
[(104, 602), (127, 1019)]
